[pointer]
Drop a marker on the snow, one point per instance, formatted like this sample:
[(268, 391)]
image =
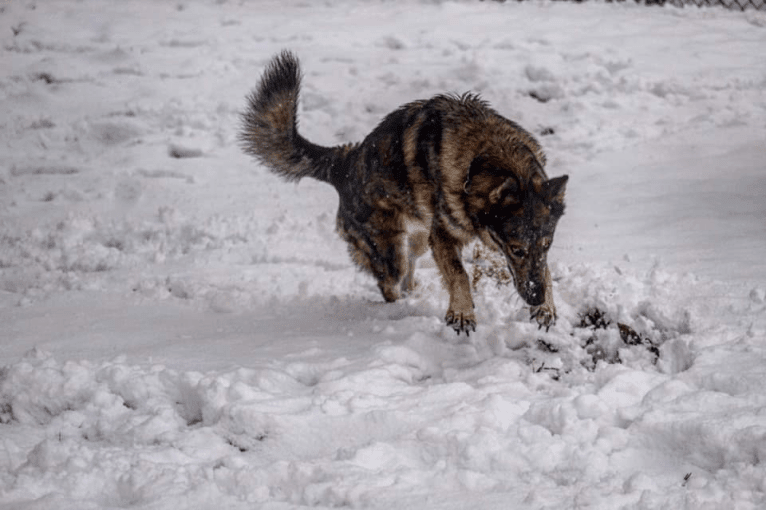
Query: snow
[(182, 330)]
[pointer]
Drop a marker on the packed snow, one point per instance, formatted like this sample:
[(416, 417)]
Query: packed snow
[(179, 329)]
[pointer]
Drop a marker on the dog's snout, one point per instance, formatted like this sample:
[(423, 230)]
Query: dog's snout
[(535, 294), (536, 299)]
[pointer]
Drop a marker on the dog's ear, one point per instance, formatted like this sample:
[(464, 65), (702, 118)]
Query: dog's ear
[(554, 189), (506, 194)]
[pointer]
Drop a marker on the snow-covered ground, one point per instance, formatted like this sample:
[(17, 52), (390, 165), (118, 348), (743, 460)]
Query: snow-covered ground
[(179, 329)]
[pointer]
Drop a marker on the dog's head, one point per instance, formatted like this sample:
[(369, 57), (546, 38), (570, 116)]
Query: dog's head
[(519, 215)]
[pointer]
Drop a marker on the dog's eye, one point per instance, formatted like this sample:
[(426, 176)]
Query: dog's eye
[(519, 253)]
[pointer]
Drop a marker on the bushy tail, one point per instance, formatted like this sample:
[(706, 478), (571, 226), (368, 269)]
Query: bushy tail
[(270, 127)]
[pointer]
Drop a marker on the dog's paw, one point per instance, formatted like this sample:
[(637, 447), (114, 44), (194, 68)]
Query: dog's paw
[(461, 321), (545, 315)]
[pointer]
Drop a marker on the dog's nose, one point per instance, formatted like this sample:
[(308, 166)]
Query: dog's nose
[(535, 294)]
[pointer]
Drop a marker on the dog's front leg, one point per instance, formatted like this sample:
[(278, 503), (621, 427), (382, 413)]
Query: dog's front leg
[(446, 251), (545, 314)]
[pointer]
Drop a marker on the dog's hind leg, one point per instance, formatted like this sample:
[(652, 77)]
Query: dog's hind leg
[(394, 266), (416, 244), (446, 252), (383, 256)]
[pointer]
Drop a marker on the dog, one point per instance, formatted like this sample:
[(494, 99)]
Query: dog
[(434, 173)]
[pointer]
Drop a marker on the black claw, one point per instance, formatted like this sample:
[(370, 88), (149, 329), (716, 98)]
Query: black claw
[(460, 324), (462, 327)]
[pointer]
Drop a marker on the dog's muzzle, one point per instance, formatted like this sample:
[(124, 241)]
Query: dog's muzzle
[(534, 293)]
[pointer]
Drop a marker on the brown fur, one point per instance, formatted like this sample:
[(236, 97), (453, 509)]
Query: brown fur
[(435, 173)]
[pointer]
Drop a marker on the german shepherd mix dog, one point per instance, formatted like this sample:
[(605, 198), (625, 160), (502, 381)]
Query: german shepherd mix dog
[(434, 173)]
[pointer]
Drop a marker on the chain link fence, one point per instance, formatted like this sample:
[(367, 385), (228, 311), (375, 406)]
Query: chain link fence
[(737, 5), (741, 5)]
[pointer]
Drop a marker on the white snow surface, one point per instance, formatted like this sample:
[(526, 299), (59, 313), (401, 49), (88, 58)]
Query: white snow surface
[(179, 329)]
